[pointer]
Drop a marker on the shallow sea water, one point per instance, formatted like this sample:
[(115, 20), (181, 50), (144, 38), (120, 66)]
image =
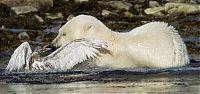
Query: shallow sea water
[(185, 80)]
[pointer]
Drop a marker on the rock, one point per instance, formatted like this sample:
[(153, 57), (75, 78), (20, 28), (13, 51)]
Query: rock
[(198, 1), (3, 27), (24, 36), (139, 1), (39, 4), (80, 1), (181, 8), (159, 14), (54, 16), (154, 4), (70, 17), (107, 13), (177, 1), (183, 1), (128, 14), (194, 1), (23, 9), (39, 18), (155, 11), (120, 4), (138, 8), (40, 36), (4, 10), (174, 9)]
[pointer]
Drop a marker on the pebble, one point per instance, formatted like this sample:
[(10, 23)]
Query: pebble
[(107, 13), (23, 9), (39, 18), (120, 4), (54, 16), (24, 36)]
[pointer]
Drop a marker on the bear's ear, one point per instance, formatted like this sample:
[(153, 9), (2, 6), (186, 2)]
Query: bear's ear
[(89, 27)]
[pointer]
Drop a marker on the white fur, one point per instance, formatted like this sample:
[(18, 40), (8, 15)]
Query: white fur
[(154, 45)]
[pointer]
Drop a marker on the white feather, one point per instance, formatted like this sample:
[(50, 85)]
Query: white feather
[(20, 58), (64, 58), (74, 53)]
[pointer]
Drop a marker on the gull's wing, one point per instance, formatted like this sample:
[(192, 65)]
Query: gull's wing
[(66, 57), (20, 58)]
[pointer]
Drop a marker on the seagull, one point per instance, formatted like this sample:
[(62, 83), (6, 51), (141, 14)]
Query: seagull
[(64, 58)]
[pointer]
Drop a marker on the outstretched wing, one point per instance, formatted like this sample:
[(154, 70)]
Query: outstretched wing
[(20, 58), (73, 53)]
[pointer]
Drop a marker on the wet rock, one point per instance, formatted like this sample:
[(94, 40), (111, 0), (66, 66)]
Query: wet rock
[(198, 1), (39, 4), (137, 1), (194, 1), (181, 8), (160, 14), (183, 1), (107, 13), (3, 27), (80, 1), (128, 14), (137, 8), (39, 18), (157, 11), (54, 16), (120, 4), (70, 17), (22, 22), (40, 36), (154, 4), (8, 40), (24, 36), (23, 9), (174, 9), (4, 10), (177, 1)]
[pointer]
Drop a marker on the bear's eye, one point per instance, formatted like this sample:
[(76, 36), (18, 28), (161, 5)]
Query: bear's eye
[(64, 34)]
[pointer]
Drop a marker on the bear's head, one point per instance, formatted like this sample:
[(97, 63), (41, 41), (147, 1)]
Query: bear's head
[(82, 26)]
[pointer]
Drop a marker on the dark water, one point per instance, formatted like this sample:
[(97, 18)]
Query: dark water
[(184, 80), (188, 84)]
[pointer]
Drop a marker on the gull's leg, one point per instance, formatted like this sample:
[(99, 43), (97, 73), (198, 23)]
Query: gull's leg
[(20, 59)]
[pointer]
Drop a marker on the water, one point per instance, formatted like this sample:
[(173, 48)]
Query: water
[(183, 85), (185, 80)]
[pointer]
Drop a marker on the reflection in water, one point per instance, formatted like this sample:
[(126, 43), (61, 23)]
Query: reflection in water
[(183, 84)]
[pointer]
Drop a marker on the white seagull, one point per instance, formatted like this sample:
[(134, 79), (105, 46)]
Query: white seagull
[(64, 58)]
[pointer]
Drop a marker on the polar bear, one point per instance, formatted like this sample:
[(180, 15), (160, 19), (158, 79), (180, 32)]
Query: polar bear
[(153, 45)]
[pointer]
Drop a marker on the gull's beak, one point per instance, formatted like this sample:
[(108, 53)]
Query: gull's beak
[(49, 48)]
